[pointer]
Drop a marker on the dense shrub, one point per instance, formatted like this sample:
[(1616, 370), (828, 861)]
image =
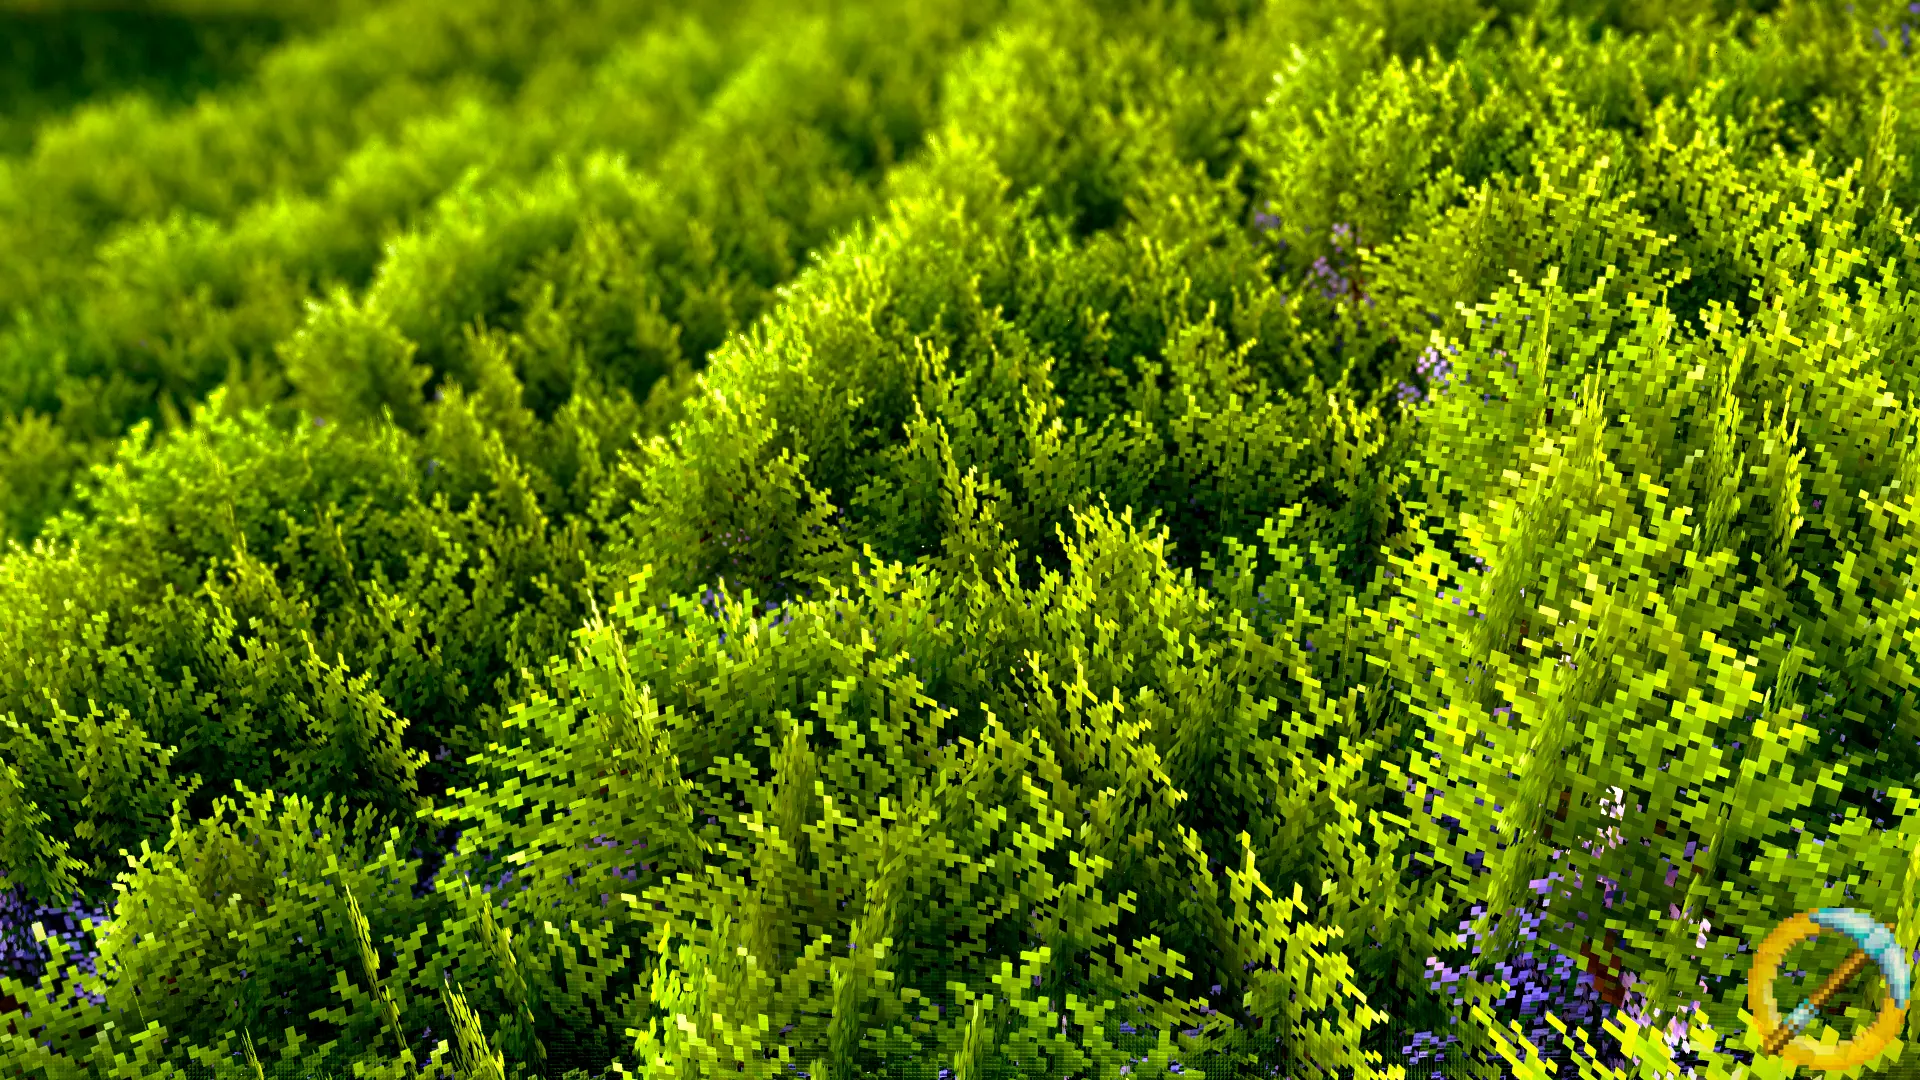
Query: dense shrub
[(1063, 535)]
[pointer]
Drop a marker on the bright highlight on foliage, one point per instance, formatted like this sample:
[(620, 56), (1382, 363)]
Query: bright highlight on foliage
[(957, 538)]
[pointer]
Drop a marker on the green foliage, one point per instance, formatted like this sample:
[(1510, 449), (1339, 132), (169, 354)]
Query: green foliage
[(32, 857), (744, 917), (865, 535), (54, 59)]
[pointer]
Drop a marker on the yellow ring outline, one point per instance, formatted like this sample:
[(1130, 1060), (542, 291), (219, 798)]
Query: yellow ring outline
[(1862, 1048)]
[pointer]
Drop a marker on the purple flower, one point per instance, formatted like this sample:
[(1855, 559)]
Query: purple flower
[(1433, 367), (1334, 284)]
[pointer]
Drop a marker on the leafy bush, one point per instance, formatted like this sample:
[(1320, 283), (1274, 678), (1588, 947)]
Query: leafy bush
[(1052, 536)]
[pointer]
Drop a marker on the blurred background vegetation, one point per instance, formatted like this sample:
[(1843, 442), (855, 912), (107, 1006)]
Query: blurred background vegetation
[(56, 55)]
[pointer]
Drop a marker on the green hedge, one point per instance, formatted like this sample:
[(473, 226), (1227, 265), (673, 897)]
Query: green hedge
[(863, 534)]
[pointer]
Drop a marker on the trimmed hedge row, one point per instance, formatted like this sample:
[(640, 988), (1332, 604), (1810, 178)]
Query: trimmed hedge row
[(872, 533)]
